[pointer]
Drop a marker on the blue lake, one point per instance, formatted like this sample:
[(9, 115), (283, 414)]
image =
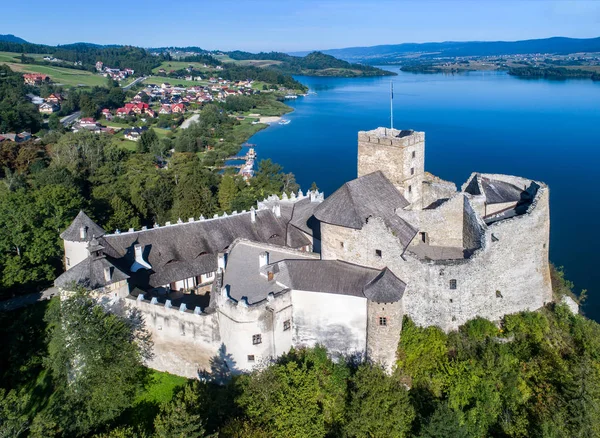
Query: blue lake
[(480, 121)]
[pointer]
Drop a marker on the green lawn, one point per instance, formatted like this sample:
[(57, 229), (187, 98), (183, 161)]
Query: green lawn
[(160, 387), (174, 82), (179, 65), (60, 75), (9, 57)]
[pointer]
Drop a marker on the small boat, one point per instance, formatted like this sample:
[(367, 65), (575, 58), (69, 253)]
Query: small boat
[(284, 121), (290, 96)]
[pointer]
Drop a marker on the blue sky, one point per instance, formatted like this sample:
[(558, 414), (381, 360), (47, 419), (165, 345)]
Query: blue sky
[(287, 25)]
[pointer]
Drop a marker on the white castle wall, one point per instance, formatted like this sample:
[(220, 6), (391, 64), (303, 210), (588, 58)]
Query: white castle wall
[(339, 322), (184, 342)]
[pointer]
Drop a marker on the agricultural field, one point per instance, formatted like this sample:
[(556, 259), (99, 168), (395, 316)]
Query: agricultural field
[(59, 75), (179, 65), (258, 62)]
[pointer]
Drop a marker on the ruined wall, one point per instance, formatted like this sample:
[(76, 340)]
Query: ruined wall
[(75, 252), (509, 274), (382, 340), (435, 188), (473, 227), (395, 157), (443, 225), (339, 322), (184, 342)]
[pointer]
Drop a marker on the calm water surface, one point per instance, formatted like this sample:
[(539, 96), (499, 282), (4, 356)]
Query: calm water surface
[(480, 121)]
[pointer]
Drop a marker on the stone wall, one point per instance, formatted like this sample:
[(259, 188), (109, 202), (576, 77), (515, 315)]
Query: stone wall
[(509, 273), (184, 342), (443, 225), (435, 188), (382, 339)]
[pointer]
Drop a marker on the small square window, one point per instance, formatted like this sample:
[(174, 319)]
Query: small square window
[(250, 358), (256, 339), (210, 274), (414, 154), (287, 325), (69, 261), (452, 284), (383, 320), (341, 244), (409, 189), (412, 170), (378, 252)]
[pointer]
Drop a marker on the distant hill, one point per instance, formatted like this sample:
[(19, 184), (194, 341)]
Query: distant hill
[(313, 64), (10, 38), (395, 53)]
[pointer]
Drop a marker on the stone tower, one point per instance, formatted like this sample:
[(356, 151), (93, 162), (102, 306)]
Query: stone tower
[(400, 155)]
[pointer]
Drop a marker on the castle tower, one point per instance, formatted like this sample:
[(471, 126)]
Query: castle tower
[(77, 237), (400, 155)]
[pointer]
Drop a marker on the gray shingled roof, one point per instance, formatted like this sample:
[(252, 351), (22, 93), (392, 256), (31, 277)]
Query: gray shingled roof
[(243, 274), (72, 233), (89, 273), (190, 249), (370, 195), (498, 192), (385, 288), (303, 211)]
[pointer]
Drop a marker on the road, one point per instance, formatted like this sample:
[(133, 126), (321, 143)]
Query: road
[(127, 87), (67, 120), (186, 123), (26, 300)]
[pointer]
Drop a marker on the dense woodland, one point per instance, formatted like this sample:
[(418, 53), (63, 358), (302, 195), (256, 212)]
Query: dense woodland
[(537, 374)]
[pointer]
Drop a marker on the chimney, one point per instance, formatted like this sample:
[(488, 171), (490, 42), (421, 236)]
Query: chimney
[(83, 232), (270, 275), (277, 210), (263, 259), (252, 215), (107, 274), (222, 261)]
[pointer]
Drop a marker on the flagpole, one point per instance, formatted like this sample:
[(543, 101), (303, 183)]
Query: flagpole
[(392, 105)]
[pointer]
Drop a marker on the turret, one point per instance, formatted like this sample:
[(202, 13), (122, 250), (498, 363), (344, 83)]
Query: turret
[(77, 238)]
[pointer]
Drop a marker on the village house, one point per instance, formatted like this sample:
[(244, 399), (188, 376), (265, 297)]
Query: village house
[(107, 114), (35, 78), (86, 122), (178, 108), (49, 108), (165, 109), (17, 138), (55, 98), (134, 134), (124, 112)]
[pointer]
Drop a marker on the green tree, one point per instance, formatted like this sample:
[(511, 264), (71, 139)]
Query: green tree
[(148, 141), (14, 420), (54, 122), (182, 417), (227, 192), (379, 405), (95, 358), (303, 394)]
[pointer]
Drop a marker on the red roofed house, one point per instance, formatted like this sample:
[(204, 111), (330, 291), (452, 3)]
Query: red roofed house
[(139, 108), (124, 112), (150, 113), (165, 109), (54, 98), (35, 78), (107, 114), (178, 108), (87, 121)]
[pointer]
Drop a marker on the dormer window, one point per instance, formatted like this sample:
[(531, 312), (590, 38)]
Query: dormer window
[(83, 232)]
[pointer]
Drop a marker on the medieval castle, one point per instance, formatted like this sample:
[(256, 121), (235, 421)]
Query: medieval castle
[(340, 272)]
